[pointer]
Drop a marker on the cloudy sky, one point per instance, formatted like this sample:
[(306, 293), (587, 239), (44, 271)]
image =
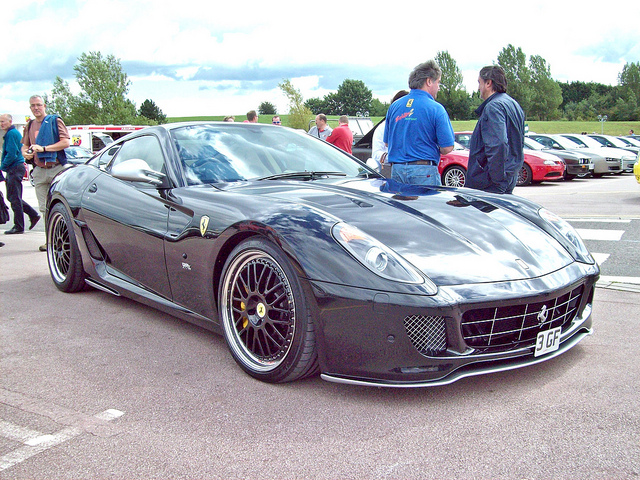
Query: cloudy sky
[(208, 57)]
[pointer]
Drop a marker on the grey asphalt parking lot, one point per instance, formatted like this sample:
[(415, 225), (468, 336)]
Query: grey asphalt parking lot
[(95, 386)]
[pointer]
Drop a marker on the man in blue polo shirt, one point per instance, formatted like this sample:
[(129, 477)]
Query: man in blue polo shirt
[(418, 129)]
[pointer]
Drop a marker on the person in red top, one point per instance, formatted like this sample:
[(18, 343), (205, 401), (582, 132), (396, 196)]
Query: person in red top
[(342, 137)]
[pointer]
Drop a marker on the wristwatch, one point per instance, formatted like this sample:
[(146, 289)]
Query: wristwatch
[(44, 149)]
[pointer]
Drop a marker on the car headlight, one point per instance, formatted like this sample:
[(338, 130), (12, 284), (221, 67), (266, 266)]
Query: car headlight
[(377, 257), (575, 244), (551, 162)]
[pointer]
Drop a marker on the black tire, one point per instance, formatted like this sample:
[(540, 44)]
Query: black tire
[(524, 176), (63, 255), (265, 314), (454, 176)]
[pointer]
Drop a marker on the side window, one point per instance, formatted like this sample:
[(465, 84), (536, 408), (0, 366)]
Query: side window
[(576, 140), (146, 148), (103, 160), (545, 141)]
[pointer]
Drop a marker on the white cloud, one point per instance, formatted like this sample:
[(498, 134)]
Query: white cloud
[(198, 57)]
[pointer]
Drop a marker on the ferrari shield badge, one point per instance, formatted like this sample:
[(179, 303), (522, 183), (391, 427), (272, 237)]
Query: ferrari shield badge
[(204, 223)]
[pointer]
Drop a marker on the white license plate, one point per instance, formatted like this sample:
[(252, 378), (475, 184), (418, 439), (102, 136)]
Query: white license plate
[(548, 341)]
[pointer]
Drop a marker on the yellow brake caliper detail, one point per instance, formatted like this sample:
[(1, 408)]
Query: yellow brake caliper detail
[(245, 320)]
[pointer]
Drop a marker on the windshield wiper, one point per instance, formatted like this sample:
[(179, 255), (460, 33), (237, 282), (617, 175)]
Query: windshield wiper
[(303, 175)]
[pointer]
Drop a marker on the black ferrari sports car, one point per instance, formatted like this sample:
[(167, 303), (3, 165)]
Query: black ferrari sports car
[(309, 262)]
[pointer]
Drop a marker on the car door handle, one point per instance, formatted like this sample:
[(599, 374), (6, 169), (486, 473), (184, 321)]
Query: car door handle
[(93, 188)]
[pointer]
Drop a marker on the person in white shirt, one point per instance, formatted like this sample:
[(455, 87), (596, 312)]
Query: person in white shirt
[(321, 130)]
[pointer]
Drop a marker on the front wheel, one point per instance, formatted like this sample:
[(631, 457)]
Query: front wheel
[(525, 175), (265, 314), (63, 254), (454, 176)]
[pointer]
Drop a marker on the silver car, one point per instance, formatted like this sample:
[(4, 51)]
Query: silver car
[(602, 165), (627, 159), (578, 165)]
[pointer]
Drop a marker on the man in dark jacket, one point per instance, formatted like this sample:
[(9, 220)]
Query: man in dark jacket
[(13, 165), (496, 150)]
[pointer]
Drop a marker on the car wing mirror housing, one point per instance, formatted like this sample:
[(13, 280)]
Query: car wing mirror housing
[(137, 170)]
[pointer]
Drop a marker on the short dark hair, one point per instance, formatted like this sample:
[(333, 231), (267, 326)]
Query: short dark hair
[(251, 114), (498, 78)]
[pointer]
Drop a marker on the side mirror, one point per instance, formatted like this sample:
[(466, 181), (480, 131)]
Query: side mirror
[(137, 170)]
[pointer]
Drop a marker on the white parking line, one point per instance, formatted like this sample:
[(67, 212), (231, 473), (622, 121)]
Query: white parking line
[(34, 442), (597, 234), (600, 258), (597, 220), (17, 433)]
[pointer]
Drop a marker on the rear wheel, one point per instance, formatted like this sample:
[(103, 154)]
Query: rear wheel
[(265, 314), (524, 176), (63, 254), (454, 176)]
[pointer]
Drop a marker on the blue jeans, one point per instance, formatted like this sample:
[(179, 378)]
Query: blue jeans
[(416, 174), (14, 197)]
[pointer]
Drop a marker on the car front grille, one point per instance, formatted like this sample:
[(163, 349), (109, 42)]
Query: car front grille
[(428, 334), (503, 328)]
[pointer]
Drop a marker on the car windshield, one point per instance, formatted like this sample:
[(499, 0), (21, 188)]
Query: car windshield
[(567, 143), (585, 141), (360, 126), (531, 144), (614, 141), (211, 153), (629, 142)]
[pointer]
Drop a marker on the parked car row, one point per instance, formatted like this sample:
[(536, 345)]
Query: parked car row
[(547, 157)]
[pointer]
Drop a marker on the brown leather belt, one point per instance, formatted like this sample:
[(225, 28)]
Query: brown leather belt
[(48, 164), (420, 162)]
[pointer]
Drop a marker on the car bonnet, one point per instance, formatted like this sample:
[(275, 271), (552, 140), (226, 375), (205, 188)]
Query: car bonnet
[(453, 236)]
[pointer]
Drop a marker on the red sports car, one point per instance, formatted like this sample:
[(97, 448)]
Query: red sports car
[(538, 167)]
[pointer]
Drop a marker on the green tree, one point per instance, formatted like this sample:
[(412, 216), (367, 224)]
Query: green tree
[(629, 83), (352, 98), (452, 95), (378, 108), (299, 114), (316, 105), (546, 94), (62, 102), (514, 62), (629, 78), (267, 108), (150, 110), (625, 108), (104, 87)]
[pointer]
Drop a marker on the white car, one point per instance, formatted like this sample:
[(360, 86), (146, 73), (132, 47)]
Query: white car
[(601, 165), (626, 158), (615, 142)]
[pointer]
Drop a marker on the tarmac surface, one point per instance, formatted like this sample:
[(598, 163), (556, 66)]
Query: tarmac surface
[(99, 387)]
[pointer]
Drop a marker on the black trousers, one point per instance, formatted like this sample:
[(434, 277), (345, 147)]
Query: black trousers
[(14, 197)]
